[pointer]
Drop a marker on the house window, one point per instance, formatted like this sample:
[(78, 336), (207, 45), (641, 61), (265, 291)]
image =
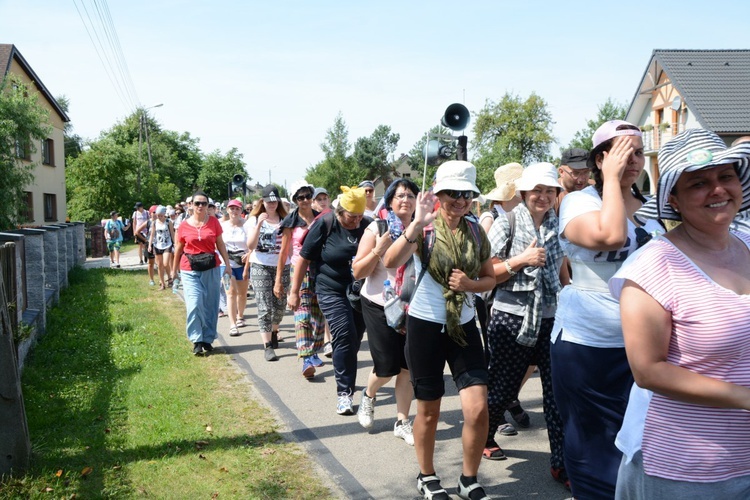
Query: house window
[(27, 212), (50, 207), (23, 151), (406, 176), (48, 152)]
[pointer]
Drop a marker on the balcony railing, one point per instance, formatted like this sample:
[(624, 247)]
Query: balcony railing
[(654, 139)]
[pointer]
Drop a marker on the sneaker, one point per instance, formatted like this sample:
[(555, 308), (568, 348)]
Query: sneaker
[(207, 347), (198, 349), (270, 354), (344, 405), (151, 283), (328, 350), (308, 369), (473, 491), (402, 429), (429, 487), (561, 476), (519, 415), (316, 361), (117, 265), (366, 411)]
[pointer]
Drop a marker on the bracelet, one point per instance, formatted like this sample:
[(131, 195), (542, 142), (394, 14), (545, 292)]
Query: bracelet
[(380, 258), (407, 238), (510, 270)]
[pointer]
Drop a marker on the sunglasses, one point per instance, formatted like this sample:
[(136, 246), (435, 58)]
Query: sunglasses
[(456, 195), (304, 197), (369, 191), (200, 203)]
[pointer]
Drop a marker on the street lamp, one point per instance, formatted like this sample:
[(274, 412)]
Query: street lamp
[(143, 128)]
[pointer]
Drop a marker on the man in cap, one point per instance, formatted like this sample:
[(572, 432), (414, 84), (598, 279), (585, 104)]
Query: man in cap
[(370, 202), (574, 172)]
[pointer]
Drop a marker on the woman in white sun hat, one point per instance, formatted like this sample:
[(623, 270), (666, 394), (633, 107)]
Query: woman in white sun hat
[(441, 326), (530, 272), (685, 306)]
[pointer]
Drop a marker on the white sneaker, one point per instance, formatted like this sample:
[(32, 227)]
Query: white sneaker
[(404, 431), (344, 404), (366, 411)]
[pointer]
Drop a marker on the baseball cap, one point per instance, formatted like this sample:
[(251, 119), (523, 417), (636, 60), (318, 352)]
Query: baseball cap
[(234, 203), (575, 158), (152, 208), (320, 190), (271, 193), (138, 205)]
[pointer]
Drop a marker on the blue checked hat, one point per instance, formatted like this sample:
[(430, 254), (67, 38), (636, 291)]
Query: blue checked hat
[(691, 150)]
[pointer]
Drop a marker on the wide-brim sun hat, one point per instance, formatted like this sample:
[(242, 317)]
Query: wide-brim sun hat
[(505, 182), (297, 186), (538, 174), (694, 149), (456, 175)]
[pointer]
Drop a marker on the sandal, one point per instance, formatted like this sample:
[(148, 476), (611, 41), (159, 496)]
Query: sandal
[(519, 415), (493, 452), (162, 286), (429, 487), (234, 332), (465, 492), (240, 322)]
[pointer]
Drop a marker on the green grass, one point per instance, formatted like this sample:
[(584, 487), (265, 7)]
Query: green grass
[(118, 407)]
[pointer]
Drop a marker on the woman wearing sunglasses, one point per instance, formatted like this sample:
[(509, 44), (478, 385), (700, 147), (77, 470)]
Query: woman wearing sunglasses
[(441, 326), (309, 324), (198, 239)]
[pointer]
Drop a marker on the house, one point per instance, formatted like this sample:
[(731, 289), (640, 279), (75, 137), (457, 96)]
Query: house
[(45, 199), (400, 169), (683, 89)]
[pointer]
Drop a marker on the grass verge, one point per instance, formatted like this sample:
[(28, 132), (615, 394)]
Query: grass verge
[(118, 407)]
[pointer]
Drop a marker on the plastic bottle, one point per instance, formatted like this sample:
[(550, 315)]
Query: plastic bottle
[(175, 285), (388, 291), (226, 281)]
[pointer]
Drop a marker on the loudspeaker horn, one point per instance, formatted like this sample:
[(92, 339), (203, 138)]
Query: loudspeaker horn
[(456, 117), (433, 151)]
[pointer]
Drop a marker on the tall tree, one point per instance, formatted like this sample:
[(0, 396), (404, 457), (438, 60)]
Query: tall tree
[(374, 154), (23, 122), (511, 130), (73, 141), (218, 170), (610, 110), (338, 166)]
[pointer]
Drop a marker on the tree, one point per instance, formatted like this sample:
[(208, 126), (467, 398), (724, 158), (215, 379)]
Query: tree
[(338, 168), (416, 155), (512, 130), (23, 122), (73, 142), (218, 170), (610, 110), (374, 154)]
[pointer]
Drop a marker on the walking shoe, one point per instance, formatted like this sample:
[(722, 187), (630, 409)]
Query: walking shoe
[(308, 370), (402, 429), (207, 347), (519, 415), (366, 411), (344, 405), (561, 476), (492, 451), (328, 350), (505, 428), (429, 487), (472, 491), (198, 349), (151, 283), (316, 361), (270, 354)]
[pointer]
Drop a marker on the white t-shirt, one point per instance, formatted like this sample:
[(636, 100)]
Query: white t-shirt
[(266, 252), (428, 303), (373, 289), (586, 317), (235, 239)]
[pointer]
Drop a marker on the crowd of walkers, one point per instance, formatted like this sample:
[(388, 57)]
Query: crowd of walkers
[(638, 333)]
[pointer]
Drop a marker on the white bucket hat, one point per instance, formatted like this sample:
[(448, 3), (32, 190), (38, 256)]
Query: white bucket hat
[(300, 184), (456, 175), (505, 182), (544, 174)]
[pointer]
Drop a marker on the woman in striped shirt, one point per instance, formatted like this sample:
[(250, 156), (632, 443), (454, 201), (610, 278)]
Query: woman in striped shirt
[(685, 307)]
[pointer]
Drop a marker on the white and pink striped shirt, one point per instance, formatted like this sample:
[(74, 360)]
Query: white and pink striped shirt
[(710, 336)]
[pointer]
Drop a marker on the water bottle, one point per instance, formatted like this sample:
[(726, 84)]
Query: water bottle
[(226, 281), (388, 291), (175, 285)]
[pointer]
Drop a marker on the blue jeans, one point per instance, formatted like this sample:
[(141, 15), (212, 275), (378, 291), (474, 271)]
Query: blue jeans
[(347, 328), (222, 293), (201, 291)]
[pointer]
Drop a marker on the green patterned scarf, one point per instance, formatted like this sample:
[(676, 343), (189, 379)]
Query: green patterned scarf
[(457, 250)]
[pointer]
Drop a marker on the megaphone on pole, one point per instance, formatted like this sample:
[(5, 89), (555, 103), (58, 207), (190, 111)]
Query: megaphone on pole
[(456, 117), (433, 151)]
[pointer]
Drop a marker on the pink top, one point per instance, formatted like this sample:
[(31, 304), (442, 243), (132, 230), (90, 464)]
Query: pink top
[(298, 234), (198, 241), (710, 336)]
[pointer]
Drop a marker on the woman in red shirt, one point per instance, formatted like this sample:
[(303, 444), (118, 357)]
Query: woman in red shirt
[(198, 238)]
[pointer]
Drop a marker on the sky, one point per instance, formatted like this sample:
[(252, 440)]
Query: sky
[(269, 78)]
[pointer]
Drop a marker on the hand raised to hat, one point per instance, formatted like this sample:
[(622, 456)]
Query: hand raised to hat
[(616, 159)]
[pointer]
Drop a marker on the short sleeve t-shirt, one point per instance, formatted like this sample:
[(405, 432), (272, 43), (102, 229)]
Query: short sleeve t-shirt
[(266, 251), (332, 253), (235, 238), (198, 240), (109, 229)]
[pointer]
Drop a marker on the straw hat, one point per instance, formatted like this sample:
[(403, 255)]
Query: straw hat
[(505, 177)]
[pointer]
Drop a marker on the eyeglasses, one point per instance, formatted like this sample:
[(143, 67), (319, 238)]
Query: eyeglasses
[(578, 174), (405, 196), (456, 195), (304, 197), (200, 203)]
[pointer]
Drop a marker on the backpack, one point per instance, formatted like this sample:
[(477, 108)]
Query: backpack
[(112, 230)]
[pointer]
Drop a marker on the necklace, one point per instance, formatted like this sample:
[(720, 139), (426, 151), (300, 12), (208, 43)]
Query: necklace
[(200, 226)]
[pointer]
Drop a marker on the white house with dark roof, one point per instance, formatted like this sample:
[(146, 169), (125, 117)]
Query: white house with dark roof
[(683, 89), (45, 198)]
